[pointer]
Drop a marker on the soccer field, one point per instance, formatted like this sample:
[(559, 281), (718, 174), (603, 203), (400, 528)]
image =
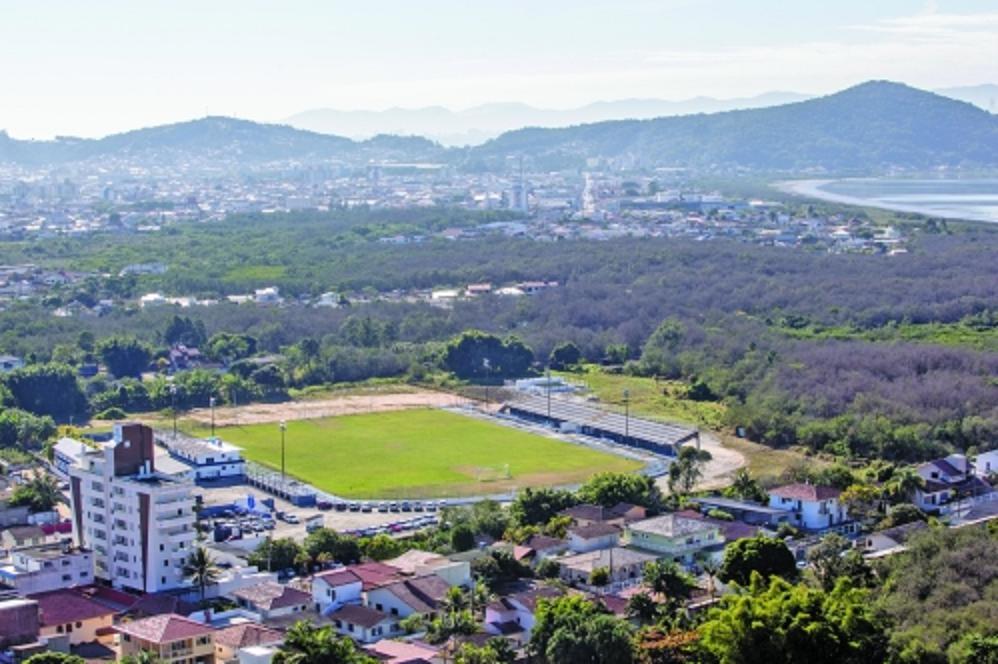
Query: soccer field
[(418, 454)]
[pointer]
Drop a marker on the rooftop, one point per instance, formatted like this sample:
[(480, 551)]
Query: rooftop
[(670, 525), (58, 607), (612, 558), (164, 628), (359, 615), (270, 595), (247, 634), (807, 492)]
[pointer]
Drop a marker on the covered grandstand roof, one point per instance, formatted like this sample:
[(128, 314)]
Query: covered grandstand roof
[(602, 420)]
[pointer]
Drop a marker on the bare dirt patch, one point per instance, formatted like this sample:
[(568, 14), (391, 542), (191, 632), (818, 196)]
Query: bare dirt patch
[(354, 404)]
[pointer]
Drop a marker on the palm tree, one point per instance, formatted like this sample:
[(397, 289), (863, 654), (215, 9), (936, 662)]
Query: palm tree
[(903, 484), (666, 578), (305, 643), (642, 607), (201, 569)]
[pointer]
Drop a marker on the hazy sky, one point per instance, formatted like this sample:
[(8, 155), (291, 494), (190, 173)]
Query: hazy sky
[(93, 67)]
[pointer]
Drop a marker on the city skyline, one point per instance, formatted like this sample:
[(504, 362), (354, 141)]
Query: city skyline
[(96, 70)]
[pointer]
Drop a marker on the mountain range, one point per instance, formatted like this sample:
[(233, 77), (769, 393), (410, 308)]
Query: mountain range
[(873, 127), (478, 124)]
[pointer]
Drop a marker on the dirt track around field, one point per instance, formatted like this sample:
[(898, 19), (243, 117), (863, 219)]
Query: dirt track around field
[(354, 404)]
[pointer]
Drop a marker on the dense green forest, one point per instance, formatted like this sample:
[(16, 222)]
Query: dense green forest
[(858, 355)]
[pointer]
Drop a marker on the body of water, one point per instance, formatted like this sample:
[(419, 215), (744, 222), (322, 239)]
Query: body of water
[(975, 200)]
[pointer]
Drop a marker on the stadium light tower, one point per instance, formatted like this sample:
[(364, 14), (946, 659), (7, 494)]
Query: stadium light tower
[(547, 383), (284, 427), (173, 407), (211, 404), (627, 415), (488, 375)]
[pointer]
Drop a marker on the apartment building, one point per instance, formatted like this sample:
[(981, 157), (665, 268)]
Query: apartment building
[(138, 523)]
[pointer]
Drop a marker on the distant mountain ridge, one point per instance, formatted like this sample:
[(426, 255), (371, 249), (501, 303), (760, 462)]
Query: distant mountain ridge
[(475, 125), (874, 127), (478, 124)]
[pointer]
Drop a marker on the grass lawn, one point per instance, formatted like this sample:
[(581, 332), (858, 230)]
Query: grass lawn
[(663, 400), (418, 454)]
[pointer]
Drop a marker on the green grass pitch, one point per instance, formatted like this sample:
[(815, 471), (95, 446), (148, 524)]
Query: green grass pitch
[(418, 454)]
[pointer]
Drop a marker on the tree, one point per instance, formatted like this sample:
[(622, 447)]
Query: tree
[(345, 550), (744, 486), (539, 506), (275, 555), (55, 658), (642, 608), (571, 629), (307, 644), (898, 515), (47, 389), (903, 483), (40, 493), (227, 348), (608, 489), (185, 331), (777, 623), (142, 657), (476, 355), (685, 471), (124, 356), (600, 576), (834, 558), (381, 547), (657, 646), (666, 578), (201, 569), (564, 355), (19, 428), (767, 556), (462, 537)]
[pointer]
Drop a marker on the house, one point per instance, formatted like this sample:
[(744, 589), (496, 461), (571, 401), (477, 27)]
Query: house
[(421, 563), (986, 464), (540, 547), (890, 540), (67, 612), (625, 566), (17, 537), (47, 567), (10, 363), (582, 539), (423, 595), (811, 507), (18, 622), (272, 600), (513, 615), (210, 460), (388, 651), (364, 624), (676, 537), (948, 480), (335, 588), (229, 641), (587, 515), (184, 357), (13, 516), (173, 639)]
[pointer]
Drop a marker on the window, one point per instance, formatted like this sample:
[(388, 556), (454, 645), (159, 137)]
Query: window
[(79, 625), (395, 611), (162, 580), (67, 577), (166, 562)]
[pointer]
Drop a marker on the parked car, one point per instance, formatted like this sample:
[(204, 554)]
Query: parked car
[(354, 507), (406, 506), (417, 506), (324, 505), (341, 506), (291, 518), (365, 507), (382, 507)]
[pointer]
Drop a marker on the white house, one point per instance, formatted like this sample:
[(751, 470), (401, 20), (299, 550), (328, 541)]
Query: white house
[(812, 507), (423, 595), (504, 615), (272, 600), (582, 539), (335, 588), (364, 624), (47, 567), (986, 464), (949, 479), (10, 363)]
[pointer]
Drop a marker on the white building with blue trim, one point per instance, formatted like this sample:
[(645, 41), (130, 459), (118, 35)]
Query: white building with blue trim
[(210, 459)]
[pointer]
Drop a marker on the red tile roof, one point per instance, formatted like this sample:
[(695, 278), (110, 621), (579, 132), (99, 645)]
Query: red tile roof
[(375, 575), (359, 615), (270, 595), (165, 629), (338, 577), (805, 492), (58, 607), (247, 634)]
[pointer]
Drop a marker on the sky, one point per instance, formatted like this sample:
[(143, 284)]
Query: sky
[(92, 68)]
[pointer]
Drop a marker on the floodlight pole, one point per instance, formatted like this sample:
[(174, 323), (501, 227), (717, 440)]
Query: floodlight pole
[(627, 416), (548, 384), (211, 404), (173, 407), (284, 428)]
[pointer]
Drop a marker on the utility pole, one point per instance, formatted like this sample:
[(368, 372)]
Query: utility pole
[(284, 428), (488, 376)]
